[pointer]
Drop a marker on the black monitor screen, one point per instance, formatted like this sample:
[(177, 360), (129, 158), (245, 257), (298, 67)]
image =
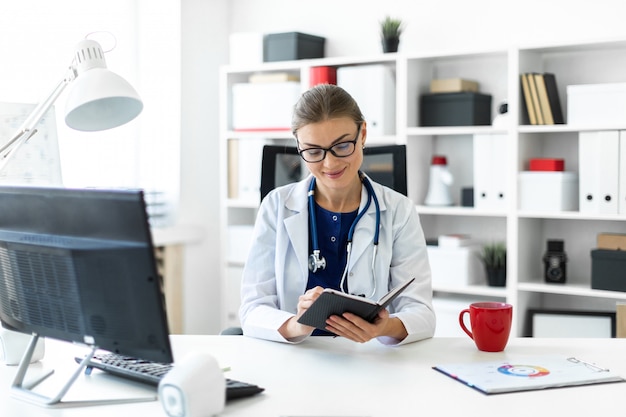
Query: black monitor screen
[(384, 164), (78, 265)]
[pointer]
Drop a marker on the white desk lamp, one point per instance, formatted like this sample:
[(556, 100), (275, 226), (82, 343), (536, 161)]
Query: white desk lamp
[(99, 100)]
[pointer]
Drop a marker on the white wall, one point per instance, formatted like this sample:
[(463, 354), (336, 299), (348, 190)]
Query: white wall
[(351, 26), (204, 48), (37, 38)]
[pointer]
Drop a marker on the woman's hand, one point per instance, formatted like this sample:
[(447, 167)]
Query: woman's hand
[(355, 328), (291, 328)]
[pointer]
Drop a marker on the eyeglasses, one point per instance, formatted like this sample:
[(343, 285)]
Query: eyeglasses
[(339, 150)]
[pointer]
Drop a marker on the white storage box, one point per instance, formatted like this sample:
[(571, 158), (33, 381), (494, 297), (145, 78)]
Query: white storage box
[(456, 267), (594, 104), (548, 191), (264, 106)]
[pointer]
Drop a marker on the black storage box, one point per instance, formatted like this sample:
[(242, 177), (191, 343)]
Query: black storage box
[(455, 109), (608, 270), (292, 45)]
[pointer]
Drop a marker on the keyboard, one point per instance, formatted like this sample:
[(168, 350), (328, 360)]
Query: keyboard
[(151, 373)]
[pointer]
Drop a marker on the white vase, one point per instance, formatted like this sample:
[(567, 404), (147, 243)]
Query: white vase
[(439, 183)]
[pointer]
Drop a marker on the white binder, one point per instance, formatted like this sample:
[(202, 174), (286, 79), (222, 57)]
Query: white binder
[(598, 154), (373, 88), (622, 173), (490, 172)]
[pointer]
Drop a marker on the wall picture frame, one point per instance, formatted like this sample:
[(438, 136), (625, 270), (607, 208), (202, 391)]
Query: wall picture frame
[(570, 323)]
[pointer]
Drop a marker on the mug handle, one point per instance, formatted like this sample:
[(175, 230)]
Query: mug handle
[(462, 323)]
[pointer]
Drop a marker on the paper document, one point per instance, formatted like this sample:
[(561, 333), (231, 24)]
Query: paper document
[(527, 373)]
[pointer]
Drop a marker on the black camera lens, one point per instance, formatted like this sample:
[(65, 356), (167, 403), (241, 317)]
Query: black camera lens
[(554, 274), (554, 262)]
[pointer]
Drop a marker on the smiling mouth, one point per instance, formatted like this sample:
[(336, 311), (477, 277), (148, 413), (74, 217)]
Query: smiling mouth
[(335, 174)]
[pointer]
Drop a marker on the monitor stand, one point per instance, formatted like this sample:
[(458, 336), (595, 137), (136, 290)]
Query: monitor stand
[(23, 391)]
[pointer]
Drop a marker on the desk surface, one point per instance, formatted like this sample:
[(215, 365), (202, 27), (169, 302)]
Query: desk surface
[(334, 377)]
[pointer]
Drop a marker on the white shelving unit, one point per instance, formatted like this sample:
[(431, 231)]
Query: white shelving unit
[(525, 233)]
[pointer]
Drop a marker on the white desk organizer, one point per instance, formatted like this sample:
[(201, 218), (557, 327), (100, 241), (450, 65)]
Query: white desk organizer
[(14, 344), (195, 387)]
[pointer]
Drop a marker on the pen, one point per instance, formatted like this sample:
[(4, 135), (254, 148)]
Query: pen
[(588, 364)]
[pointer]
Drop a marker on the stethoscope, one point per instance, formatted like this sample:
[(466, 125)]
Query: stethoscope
[(316, 261)]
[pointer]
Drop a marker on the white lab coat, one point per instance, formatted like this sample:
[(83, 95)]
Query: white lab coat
[(276, 271)]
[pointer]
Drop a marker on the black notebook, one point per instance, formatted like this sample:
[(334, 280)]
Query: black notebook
[(333, 302)]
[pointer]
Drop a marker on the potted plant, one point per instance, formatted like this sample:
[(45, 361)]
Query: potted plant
[(390, 31), (493, 256)]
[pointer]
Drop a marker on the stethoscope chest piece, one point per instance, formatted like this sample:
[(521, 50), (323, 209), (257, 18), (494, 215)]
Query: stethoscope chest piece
[(315, 262)]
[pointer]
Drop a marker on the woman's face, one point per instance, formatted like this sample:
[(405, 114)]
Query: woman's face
[(333, 172)]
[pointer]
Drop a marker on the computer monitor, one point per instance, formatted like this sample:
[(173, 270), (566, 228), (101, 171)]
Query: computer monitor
[(385, 164), (78, 265)]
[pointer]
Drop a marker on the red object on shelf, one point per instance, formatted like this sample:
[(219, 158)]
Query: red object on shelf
[(439, 160), (322, 75), (547, 164)]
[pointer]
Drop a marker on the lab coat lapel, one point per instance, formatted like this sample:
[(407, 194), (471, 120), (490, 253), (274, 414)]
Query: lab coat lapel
[(297, 225), (364, 230)]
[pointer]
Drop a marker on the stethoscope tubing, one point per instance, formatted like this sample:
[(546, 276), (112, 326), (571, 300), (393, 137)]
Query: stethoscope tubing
[(316, 261)]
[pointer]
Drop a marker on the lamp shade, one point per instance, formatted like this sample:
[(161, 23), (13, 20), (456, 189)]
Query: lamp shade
[(98, 99)]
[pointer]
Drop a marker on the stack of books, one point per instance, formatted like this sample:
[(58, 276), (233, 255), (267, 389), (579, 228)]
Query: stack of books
[(541, 98)]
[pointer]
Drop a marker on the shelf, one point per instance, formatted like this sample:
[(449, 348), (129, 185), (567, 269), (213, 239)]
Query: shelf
[(570, 289), (458, 211), (476, 290), (563, 128), (453, 130), (178, 234), (307, 63), (259, 134), (242, 203), (524, 231), (570, 215)]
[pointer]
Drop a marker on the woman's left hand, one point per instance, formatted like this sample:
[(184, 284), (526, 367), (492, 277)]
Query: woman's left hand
[(355, 328)]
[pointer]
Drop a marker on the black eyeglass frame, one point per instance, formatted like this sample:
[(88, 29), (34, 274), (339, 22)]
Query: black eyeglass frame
[(330, 149)]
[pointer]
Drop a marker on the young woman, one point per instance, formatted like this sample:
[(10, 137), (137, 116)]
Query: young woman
[(301, 234)]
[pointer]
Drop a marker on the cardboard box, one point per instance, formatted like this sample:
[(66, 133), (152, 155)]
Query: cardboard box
[(455, 109), (548, 191), (612, 241), (596, 104), (453, 85), (456, 267), (291, 46), (608, 270)]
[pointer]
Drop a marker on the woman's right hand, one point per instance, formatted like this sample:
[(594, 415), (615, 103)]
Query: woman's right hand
[(291, 328), (306, 299)]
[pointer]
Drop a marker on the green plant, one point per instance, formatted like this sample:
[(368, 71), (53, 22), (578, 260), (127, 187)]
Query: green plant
[(391, 28), (493, 255)]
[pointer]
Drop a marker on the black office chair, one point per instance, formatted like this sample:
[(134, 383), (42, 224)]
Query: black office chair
[(232, 331)]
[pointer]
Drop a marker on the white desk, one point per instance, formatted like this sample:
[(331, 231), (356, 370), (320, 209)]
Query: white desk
[(334, 377)]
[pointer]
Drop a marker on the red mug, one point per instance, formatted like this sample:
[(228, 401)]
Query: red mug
[(490, 323)]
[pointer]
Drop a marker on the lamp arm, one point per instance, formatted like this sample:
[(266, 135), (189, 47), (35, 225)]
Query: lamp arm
[(28, 127)]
